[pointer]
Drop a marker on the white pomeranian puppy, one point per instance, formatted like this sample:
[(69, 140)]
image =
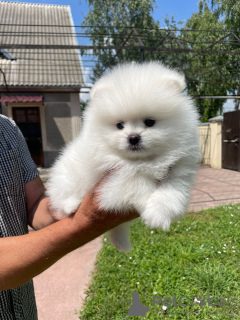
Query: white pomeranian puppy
[(141, 124)]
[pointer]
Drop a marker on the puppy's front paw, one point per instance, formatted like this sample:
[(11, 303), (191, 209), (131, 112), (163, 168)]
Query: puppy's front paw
[(67, 207), (164, 207), (157, 218), (59, 215)]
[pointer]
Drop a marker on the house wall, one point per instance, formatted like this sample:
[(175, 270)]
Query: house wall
[(205, 142), (211, 143), (216, 144), (60, 118)]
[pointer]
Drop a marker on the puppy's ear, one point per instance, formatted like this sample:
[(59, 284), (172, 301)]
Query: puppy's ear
[(97, 90), (176, 82), (93, 91)]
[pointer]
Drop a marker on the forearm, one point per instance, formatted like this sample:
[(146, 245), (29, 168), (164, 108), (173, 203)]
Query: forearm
[(26, 256)]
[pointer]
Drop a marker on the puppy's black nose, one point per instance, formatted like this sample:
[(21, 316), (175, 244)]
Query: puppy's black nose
[(134, 139)]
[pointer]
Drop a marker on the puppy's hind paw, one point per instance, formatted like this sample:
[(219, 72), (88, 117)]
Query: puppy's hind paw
[(120, 237), (121, 244)]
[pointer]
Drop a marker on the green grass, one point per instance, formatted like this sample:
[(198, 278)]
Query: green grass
[(183, 262)]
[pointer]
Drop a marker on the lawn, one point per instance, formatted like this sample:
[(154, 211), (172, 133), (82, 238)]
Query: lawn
[(199, 258)]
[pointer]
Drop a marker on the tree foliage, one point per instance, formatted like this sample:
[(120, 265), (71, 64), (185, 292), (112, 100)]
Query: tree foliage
[(109, 22), (214, 74), (228, 11), (205, 71)]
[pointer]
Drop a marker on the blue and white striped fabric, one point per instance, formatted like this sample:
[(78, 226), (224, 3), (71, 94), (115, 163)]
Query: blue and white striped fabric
[(16, 169)]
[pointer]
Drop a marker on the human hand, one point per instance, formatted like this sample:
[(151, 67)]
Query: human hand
[(100, 220)]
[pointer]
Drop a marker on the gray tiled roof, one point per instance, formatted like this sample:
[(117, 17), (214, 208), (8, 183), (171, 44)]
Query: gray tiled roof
[(47, 24)]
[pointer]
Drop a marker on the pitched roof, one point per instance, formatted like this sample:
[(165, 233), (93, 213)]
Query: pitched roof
[(28, 23)]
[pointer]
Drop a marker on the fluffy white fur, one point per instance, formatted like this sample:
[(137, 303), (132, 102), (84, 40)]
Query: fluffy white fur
[(156, 175)]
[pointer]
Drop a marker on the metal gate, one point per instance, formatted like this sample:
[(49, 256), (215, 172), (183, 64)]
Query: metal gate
[(230, 143)]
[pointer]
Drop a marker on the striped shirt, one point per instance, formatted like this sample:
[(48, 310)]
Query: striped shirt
[(16, 169)]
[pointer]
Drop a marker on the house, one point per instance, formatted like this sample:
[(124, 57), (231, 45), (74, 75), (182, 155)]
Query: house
[(39, 87)]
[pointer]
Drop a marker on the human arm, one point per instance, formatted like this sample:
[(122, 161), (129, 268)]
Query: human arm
[(24, 257), (38, 210)]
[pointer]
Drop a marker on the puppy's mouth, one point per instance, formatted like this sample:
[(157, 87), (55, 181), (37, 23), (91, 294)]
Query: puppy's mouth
[(135, 147)]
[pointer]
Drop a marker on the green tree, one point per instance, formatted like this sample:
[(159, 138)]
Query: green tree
[(229, 12), (109, 22), (208, 74), (83, 105)]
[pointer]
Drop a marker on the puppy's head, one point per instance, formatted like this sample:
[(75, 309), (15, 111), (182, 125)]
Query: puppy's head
[(139, 111)]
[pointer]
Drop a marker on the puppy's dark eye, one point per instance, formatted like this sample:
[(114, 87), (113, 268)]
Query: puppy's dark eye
[(149, 122), (120, 125)]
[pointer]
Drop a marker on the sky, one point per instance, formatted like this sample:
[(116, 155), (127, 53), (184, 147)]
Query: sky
[(181, 10)]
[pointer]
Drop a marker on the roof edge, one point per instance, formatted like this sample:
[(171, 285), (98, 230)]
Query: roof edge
[(18, 89), (36, 4)]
